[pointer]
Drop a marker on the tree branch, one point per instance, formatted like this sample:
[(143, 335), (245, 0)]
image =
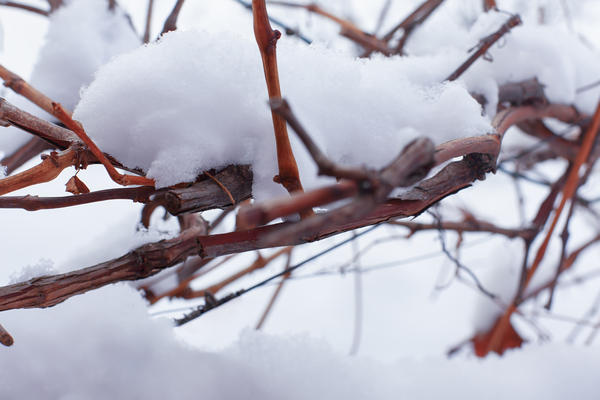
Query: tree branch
[(266, 39)]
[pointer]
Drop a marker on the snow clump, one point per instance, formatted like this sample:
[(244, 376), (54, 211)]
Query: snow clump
[(196, 101)]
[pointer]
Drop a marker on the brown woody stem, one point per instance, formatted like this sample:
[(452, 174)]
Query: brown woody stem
[(266, 38)]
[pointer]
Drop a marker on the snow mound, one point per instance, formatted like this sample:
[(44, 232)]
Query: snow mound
[(195, 101)]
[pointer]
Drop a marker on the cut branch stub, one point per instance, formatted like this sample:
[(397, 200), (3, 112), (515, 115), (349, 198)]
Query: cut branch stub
[(206, 194), (266, 38)]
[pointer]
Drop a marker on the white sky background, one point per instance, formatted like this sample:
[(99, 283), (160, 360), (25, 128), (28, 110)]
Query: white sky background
[(404, 316)]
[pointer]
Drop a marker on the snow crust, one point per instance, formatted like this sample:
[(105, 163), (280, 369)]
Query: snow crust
[(195, 101)]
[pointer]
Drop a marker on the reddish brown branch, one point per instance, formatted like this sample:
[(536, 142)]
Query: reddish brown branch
[(266, 39), (34, 203), (46, 171), (259, 263), (503, 326), (30, 149), (150, 259), (568, 191), (20, 86)]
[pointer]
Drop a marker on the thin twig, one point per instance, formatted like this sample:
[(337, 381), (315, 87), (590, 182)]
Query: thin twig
[(348, 29), (286, 28), (125, 180), (408, 25), (484, 45), (460, 266), (25, 7), (171, 21), (358, 299), (33, 203), (146, 37), (275, 295), (203, 309), (20, 86), (26, 152)]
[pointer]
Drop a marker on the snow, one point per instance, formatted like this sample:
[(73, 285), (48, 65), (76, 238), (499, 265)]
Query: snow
[(218, 80), (43, 267), (104, 345), (81, 36)]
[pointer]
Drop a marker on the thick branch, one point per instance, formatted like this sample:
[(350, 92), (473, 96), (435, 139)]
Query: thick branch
[(60, 137), (206, 194)]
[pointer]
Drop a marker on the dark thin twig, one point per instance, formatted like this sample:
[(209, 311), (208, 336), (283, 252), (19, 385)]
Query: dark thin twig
[(203, 309), (286, 28), (587, 87), (382, 15), (593, 310), (171, 21), (358, 300), (409, 24), (484, 45), (460, 266), (25, 7), (275, 295), (146, 37), (325, 165)]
